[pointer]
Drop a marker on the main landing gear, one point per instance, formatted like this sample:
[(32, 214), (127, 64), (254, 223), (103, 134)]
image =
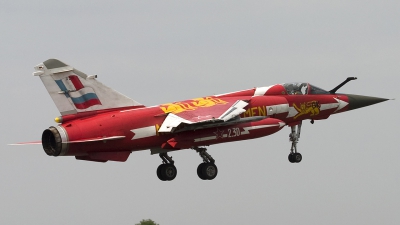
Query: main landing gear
[(166, 171), (206, 170), (294, 156)]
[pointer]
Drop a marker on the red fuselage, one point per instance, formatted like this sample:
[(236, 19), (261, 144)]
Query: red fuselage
[(138, 127)]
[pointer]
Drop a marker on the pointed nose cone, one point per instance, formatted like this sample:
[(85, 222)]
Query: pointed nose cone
[(359, 101)]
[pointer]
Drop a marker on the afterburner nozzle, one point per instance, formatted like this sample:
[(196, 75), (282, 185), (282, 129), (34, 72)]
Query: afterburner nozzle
[(359, 101)]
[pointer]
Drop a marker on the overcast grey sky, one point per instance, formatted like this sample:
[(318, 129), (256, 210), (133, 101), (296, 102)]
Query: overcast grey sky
[(163, 51)]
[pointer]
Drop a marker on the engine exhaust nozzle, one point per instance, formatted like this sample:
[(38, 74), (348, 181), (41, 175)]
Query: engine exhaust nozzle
[(52, 141)]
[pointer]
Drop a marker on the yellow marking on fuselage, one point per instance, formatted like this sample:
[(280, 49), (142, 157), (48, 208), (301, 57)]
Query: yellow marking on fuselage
[(157, 128), (252, 111), (312, 108), (255, 111), (262, 111), (179, 107)]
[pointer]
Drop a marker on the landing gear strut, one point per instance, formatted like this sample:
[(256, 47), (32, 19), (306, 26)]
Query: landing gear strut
[(206, 170), (166, 171), (294, 156)]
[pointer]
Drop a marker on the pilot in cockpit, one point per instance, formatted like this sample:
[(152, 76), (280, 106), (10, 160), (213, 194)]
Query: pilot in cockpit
[(296, 88)]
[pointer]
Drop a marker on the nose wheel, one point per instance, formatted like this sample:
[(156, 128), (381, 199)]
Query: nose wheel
[(295, 157), (294, 136)]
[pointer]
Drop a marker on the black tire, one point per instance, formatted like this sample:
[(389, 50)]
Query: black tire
[(297, 157), (291, 157), (200, 171), (168, 172), (159, 173), (209, 171)]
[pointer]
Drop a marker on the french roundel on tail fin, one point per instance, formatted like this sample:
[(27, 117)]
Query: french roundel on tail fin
[(73, 91)]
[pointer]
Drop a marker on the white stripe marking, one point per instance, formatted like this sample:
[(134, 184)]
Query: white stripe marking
[(228, 93), (95, 139), (342, 104), (144, 107), (260, 91), (247, 129), (339, 105), (144, 132), (205, 138), (329, 106)]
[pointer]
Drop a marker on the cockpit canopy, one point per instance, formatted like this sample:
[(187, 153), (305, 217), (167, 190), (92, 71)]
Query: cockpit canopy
[(303, 89)]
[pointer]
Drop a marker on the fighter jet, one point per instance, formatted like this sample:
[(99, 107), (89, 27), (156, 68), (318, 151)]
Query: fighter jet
[(100, 124)]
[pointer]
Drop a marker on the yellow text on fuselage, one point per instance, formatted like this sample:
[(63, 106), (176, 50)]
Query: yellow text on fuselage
[(255, 111), (179, 107)]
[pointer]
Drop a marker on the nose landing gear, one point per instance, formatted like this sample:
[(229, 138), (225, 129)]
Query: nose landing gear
[(294, 136), (295, 157)]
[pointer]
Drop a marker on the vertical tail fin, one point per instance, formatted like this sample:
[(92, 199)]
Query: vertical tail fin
[(73, 91)]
